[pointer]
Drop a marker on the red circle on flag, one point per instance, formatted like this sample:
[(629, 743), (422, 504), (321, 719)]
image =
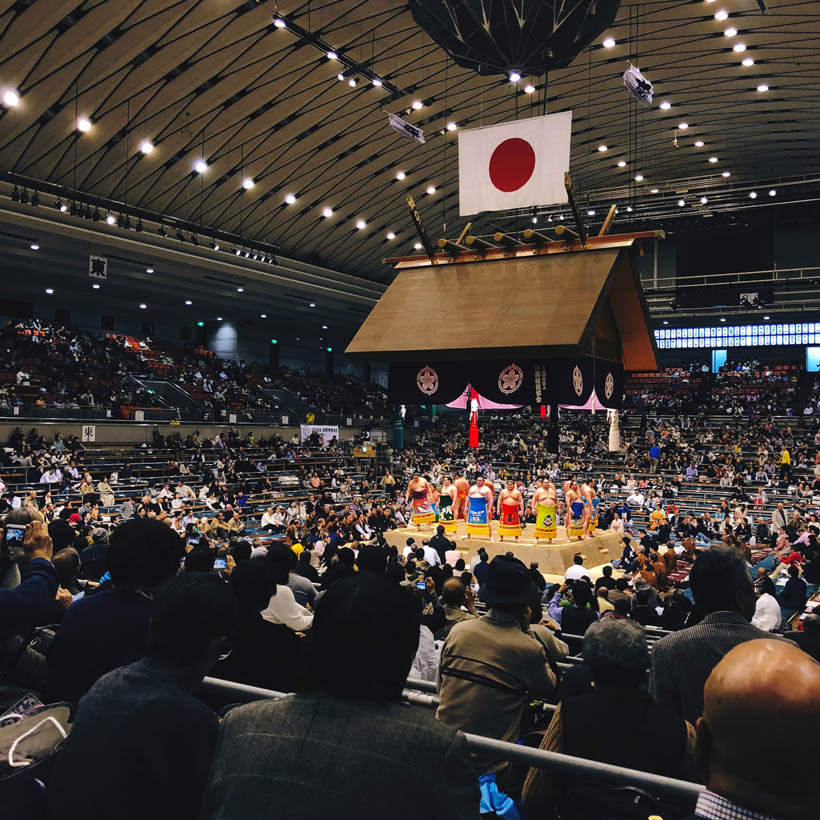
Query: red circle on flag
[(512, 164)]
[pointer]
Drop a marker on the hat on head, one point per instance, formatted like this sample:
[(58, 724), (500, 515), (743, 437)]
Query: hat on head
[(508, 582), (74, 518)]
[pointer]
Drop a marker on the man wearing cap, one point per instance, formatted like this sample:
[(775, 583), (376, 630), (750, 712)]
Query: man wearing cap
[(491, 666)]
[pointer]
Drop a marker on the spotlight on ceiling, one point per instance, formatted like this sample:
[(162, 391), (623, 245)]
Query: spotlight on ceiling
[(200, 166), (772, 192), (529, 88), (514, 76), (146, 146), (377, 82), (451, 126), (361, 224), (400, 175), (609, 42), (35, 247), (290, 198), (417, 105), (713, 160), (327, 212), (11, 98), (726, 175), (332, 55), (721, 15), (603, 148), (248, 183), (84, 124), (430, 190), (638, 177), (748, 61), (752, 194), (739, 48), (391, 235), (763, 87), (622, 163), (665, 105), (730, 32), (352, 82), (279, 22)]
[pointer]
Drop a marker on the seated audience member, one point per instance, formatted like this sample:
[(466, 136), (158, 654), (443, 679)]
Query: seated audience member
[(306, 569), (454, 599), (577, 569), (141, 741), (809, 638), (767, 610), (541, 629), (749, 680), (350, 731), (263, 654), (110, 628), (606, 579), (681, 662), (282, 607), (578, 614), (200, 559), (660, 742), (489, 666), (793, 597)]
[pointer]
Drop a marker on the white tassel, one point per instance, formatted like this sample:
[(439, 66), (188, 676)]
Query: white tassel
[(614, 431)]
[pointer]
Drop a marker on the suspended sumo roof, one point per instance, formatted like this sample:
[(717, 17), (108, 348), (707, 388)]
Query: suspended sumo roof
[(550, 302)]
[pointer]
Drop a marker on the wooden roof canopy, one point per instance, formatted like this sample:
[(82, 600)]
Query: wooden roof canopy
[(530, 301)]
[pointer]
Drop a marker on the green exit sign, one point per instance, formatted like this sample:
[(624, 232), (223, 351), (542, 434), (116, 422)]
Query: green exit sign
[(200, 324), (274, 341)]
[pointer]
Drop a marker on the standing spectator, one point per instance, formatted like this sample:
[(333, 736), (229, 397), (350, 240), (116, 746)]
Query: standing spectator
[(150, 740)]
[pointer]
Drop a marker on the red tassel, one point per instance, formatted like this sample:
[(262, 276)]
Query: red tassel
[(473, 432), (543, 411)]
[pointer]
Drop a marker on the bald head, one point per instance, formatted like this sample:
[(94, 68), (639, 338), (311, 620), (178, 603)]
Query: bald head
[(453, 592), (762, 696)]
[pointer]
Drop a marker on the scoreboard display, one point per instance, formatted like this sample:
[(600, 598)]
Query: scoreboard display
[(764, 335)]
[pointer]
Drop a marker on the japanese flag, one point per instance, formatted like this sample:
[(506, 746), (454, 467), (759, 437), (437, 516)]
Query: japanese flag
[(514, 165)]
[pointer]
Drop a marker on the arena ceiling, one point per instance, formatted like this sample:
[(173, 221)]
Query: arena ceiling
[(219, 81)]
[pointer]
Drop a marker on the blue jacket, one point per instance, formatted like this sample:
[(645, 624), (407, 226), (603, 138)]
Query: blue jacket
[(30, 603)]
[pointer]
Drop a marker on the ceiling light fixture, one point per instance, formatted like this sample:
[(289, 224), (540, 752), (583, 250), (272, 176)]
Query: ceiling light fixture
[(590, 212), (312, 304), (451, 126), (400, 175), (665, 105), (726, 175), (683, 126), (327, 213), (143, 306), (622, 163), (50, 291), (739, 48), (110, 219), (752, 194), (654, 190), (748, 61), (332, 55), (713, 160), (377, 82), (34, 246), (772, 192), (609, 42), (340, 77), (703, 200), (361, 224), (730, 32), (698, 143), (96, 286), (248, 183), (417, 105), (188, 302), (529, 88), (603, 148), (721, 15), (290, 198), (638, 177), (11, 98), (681, 203), (149, 270), (391, 235), (430, 190), (240, 290), (763, 87), (146, 146), (200, 166), (352, 82), (84, 124), (279, 22), (514, 76), (417, 246), (722, 318)]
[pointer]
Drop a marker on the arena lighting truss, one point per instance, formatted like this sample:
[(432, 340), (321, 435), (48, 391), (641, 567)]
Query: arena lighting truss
[(514, 37), (80, 206), (702, 197)]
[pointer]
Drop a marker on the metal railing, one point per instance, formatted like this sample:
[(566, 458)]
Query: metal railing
[(575, 767)]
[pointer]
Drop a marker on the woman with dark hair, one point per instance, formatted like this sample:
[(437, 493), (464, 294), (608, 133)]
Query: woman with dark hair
[(282, 607), (264, 654), (767, 611)]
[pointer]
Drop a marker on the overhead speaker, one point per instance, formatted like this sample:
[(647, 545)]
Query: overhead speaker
[(524, 36)]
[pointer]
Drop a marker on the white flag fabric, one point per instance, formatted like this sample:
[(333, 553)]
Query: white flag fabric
[(514, 165), (404, 129)]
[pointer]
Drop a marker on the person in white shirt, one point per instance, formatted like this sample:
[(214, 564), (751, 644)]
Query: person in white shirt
[(363, 530), (282, 607), (409, 548), (577, 570), (767, 610), (635, 499), (430, 555), (51, 476)]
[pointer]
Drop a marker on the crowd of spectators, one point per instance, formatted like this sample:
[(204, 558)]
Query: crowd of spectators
[(218, 569), (51, 365)]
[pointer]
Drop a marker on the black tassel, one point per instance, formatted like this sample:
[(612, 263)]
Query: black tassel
[(552, 432)]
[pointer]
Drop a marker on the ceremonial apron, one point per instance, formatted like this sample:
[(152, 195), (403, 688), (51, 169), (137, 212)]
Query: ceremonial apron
[(509, 524), (593, 520), (422, 511), (445, 517), (576, 520), (477, 521), (545, 523)]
